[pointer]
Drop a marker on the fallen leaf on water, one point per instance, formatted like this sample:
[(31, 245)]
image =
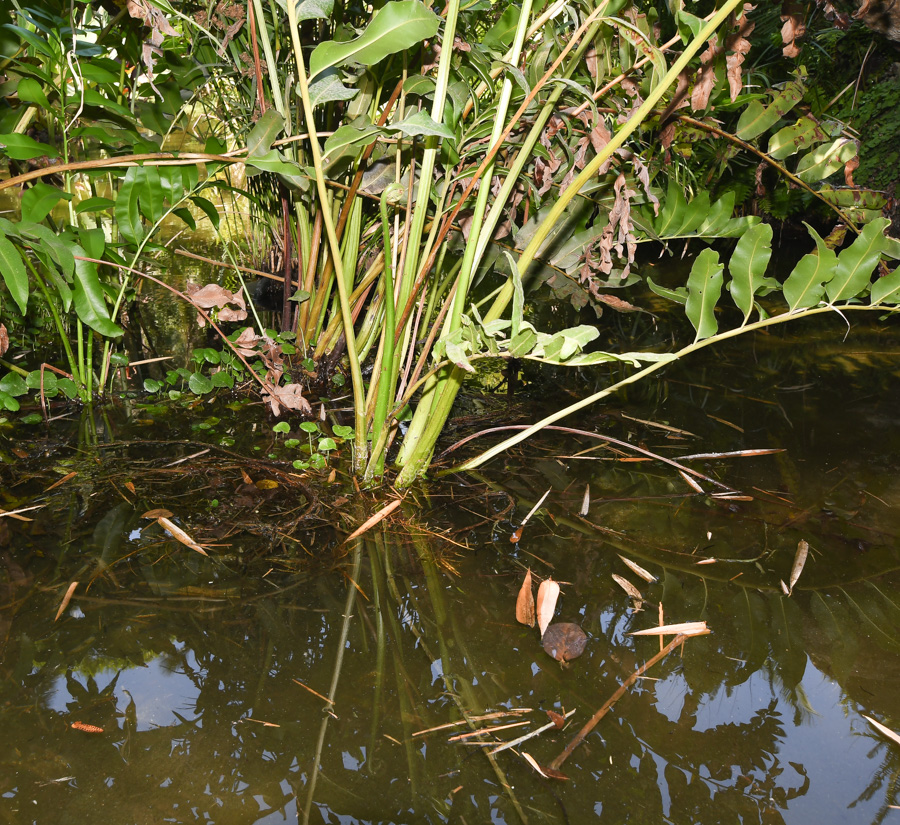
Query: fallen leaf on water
[(685, 629), (886, 731), (586, 501), (179, 535), (564, 641), (130, 487), (548, 593), (516, 534), (525, 602), (799, 562), (85, 727), (646, 575), (547, 773), (628, 587), (70, 590), (557, 718), (369, 523)]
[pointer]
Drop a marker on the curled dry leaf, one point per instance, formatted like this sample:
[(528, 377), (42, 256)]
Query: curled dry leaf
[(158, 513), (4, 339), (548, 594), (289, 396), (70, 590), (213, 296), (646, 575), (799, 563), (628, 587), (546, 772), (564, 641), (685, 629), (557, 718), (525, 602), (179, 535), (586, 501)]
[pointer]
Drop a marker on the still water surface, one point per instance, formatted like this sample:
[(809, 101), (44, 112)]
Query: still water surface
[(209, 676)]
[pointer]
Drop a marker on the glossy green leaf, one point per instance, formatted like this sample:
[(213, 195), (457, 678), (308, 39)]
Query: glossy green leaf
[(825, 160), (38, 201), (37, 43), (7, 402), (186, 216), (395, 27), (267, 128), (754, 120), (89, 301), (34, 380), (748, 266), (704, 287), (127, 210), (14, 273), (856, 263), (30, 91), (93, 98), (671, 216), (805, 286), (13, 384), (207, 208), (22, 147), (199, 384), (314, 9), (151, 199), (91, 70), (94, 205), (500, 36), (678, 295)]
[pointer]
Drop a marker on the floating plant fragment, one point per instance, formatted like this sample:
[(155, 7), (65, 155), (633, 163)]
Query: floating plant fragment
[(525, 602), (548, 593), (564, 641)]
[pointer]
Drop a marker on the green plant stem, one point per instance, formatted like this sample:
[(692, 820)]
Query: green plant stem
[(387, 377), (360, 455), (486, 456)]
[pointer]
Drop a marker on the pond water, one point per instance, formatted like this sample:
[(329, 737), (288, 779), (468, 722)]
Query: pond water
[(287, 676)]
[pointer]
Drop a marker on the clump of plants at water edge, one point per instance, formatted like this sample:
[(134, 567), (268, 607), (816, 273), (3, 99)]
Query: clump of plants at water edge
[(402, 157)]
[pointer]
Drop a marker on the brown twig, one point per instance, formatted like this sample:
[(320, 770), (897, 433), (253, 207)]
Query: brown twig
[(592, 723)]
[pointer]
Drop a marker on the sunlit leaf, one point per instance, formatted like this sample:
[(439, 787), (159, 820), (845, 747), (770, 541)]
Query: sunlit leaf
[(127, 211), (805, 286), (90, 302), (266, 129), (856, 263), (22, 147), (15, 276), (748, 266), (799, 562), (395, 27), (421, 123), (548, 594), (704, 288)]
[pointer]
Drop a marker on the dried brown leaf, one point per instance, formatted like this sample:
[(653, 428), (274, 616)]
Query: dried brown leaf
[(628, 587), (646, 575), (799, 563), (155, 514), (564, 641), (548, 594), (525, 602), (289, 396), (706, 77), (4, 339), (370, 522), (684, 629), (70, 590), (793, 28), (179, 535), (586, 501), (849, 168), (557, 718)]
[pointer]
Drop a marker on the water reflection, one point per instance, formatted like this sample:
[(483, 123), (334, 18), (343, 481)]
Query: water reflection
[(212, 679)]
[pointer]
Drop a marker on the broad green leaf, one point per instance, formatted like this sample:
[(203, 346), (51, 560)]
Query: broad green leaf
[(94, 205), (32, 39), (418, 85), (518, 302), (93, 98), (38, 201), (678, 295), (199, 384), (754, 120), (326, 445), (421, 123), (748, 266), (805, 286), (588, 359), (718, 217), (856, 263), (697, 210), (563, 345), (274, 161), (89, 300), (824, 161), (186, 216), (151, 200), (397, 26), (523, 343), (500, 36), (791, 139), (671, 216), (886, 290), (338, 144), (14, 274), (13, 384), (127, 211), (314, 9), (30, 91), (208, 208), (90, 70), (7, 402), (33, 382), (329, 88), (267, 128), (22, 147), (457, 354), (704, 287)]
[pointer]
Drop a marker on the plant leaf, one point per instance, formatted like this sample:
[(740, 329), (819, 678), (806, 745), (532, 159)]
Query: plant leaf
[(395, 27), (421, 123), (799, 562), (127, 211), (548, 594), (805, 286), (329, 88), (14, 273), (525, 602), (748, 266), (267, 128), (704, 288), (856, 262), (564, 641), (22, 147), (89, 301)]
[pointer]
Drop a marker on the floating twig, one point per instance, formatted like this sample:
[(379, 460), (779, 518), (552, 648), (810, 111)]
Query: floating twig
[(527, 736), (481, 731)]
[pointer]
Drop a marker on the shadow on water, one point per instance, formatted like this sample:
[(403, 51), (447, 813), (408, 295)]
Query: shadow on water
[(287, 677)]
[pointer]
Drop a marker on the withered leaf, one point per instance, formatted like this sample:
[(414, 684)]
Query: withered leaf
[(548, 593), (706, 77), (545, 771), (289, 396), (4, 339), (628, 587), (157, 513), (849, 168), (70, 590), (564, 641), (557, 718), (799, 563), (646, 575), (793, 17), (525, 602)]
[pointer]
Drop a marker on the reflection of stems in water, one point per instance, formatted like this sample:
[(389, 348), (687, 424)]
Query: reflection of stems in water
[(435, 595), (336, 674), (595, 719), (379, 655)]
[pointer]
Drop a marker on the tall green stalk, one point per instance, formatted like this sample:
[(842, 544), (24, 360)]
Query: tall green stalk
[(360, 454)]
